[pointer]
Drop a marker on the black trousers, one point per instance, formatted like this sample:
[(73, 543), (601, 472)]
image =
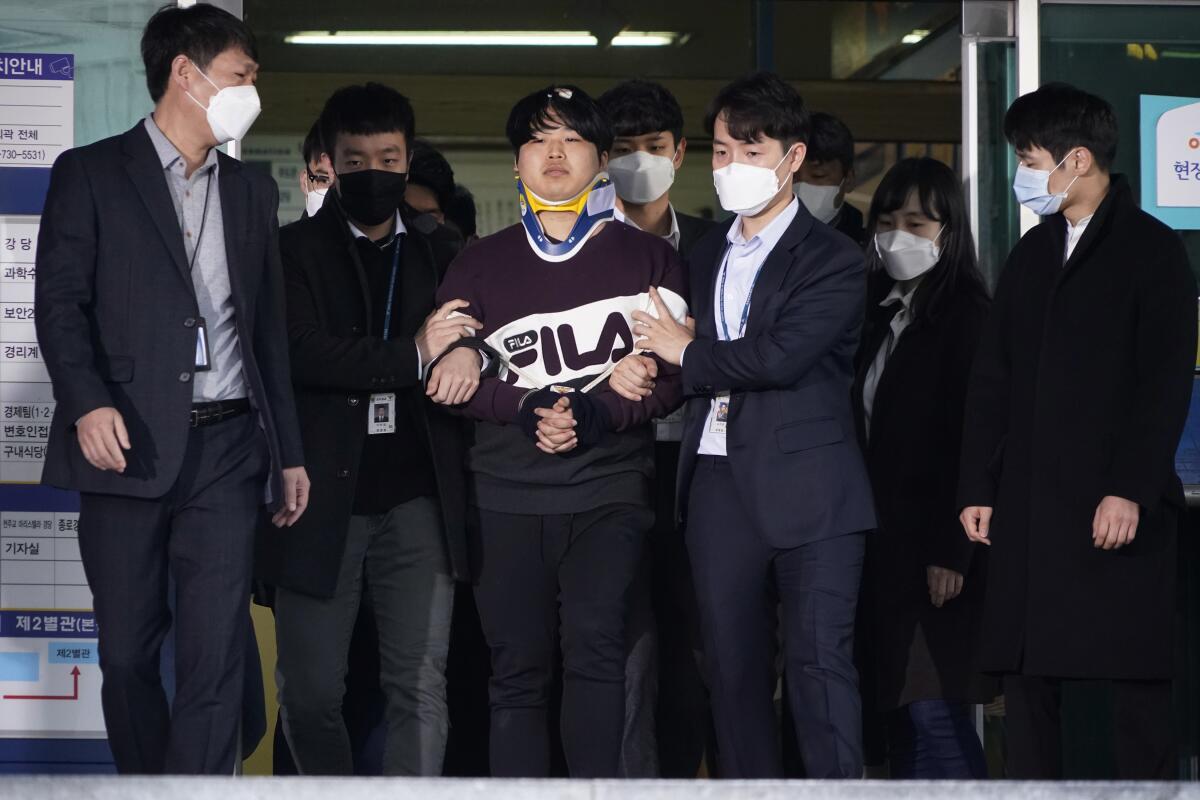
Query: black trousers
[(683, 718), (201, 533), (546, 580), (741, 582), (1142, 721)]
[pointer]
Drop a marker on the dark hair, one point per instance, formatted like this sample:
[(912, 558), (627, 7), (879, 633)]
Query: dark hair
[(363, 110), (460, 211), (762, 104), (312, 149), (430, 169), (940, 193), (1058, 117), (635, 108), (546, 108), (830, 140), (201, 32)]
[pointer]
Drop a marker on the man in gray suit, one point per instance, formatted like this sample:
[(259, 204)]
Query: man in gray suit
[(159, 310)]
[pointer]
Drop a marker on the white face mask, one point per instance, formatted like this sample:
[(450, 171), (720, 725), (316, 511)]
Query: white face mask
[(906, 255), (231, 111), (1032, 188), (745, 189), (313, 200), (641, 177), (821, 201)]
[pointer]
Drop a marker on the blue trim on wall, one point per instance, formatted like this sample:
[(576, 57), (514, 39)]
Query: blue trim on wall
[(23, 189), (56, 756)]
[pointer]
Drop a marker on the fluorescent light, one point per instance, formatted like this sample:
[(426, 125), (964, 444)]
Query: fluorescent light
[(917, 35), (447, 38), (644, 39)]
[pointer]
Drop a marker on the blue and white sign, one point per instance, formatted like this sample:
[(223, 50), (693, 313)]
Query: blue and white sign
[(49, 677), (1170, 153)]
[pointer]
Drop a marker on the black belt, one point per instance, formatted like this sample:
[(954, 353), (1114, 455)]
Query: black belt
[(218, 411)]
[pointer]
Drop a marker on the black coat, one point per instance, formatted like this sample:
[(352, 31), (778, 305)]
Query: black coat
[(116, 311), (914, 650), (335, 368), (691, 230), (849, 220), (1080, 390)]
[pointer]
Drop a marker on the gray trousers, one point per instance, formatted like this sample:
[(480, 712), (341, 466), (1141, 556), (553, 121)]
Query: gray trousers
[(400, 559)]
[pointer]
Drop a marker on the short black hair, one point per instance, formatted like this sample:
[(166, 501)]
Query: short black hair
[(637, 107), (762, 104), (567, 104), (364, 109), (430, 169), (460, 211), (201, 32), (312, 149), (1058, 117), (830, 140)]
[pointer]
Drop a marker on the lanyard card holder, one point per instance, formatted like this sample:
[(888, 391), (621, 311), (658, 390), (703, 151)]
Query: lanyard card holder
[(203, 356)]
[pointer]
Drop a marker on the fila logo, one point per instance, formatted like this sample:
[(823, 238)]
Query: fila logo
[(559, 351), (521, 341)]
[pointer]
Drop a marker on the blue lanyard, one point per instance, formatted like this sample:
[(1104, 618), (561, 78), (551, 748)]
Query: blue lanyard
[(749, 295), (391, 292)]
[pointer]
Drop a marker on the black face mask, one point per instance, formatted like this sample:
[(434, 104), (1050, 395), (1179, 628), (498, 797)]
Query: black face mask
[(371, 196)]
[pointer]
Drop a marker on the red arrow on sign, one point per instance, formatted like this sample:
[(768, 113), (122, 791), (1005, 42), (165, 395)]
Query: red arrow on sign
[(73, 696)]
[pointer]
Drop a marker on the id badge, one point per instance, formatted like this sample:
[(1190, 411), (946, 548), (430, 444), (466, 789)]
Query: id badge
[(720, 417), (382, 414), (203, 360)]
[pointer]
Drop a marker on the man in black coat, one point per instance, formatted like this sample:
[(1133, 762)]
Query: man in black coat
[(1079, 395), (387, 517), (160, 316)]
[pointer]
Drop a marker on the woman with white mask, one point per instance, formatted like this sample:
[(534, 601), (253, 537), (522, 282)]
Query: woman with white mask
[(921, 587)]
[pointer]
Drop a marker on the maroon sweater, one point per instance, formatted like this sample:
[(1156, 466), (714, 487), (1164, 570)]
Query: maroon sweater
[(564, 323)]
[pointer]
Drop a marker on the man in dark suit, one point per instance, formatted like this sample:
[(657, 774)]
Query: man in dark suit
[(771, 482), (663, 685), (1077, 399), (387, 521), (160, 315)]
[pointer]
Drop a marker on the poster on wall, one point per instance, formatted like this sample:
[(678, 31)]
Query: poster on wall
[(279, 156), (49, 675), (1170, 159)]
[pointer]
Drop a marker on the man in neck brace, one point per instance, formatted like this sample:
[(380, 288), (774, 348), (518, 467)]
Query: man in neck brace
[(561, 465)]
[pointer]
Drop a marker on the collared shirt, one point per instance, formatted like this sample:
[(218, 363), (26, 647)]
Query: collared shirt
[(393, 467), (742, 261), (1074, 234), (398, 230), (204, 243), (672, 238), (900, 321)]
